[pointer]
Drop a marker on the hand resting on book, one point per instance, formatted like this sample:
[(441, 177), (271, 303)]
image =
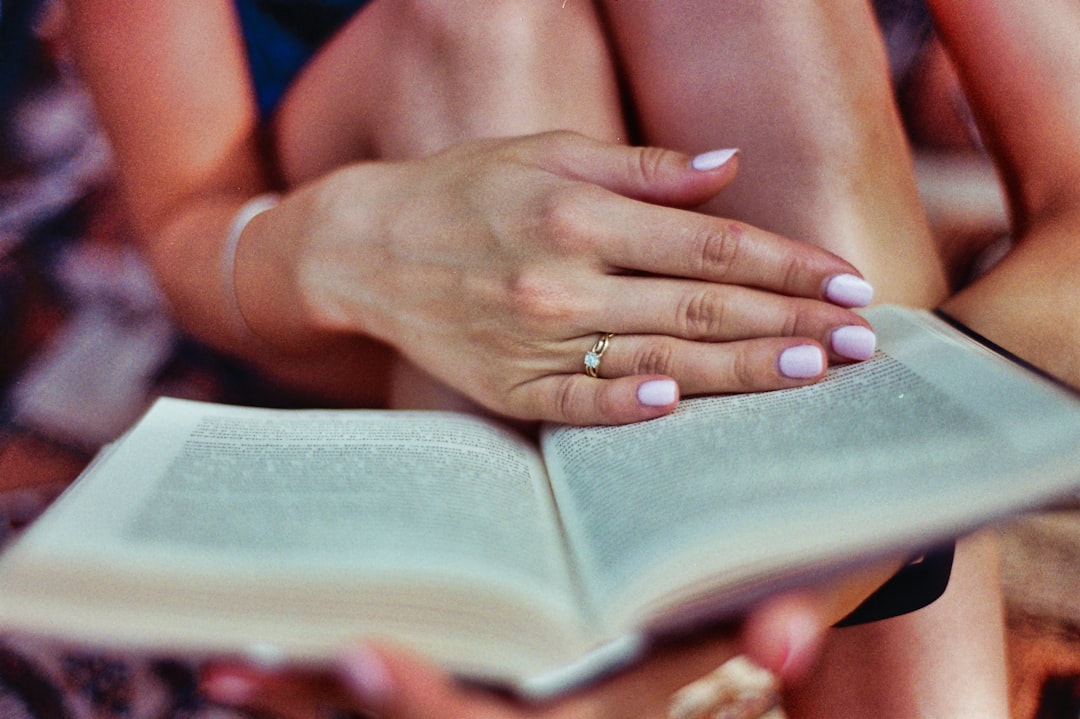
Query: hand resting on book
[(185, 193), (1020, 303)]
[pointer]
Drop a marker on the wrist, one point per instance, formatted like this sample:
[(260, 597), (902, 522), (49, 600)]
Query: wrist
[(247, 212), (260, 275)]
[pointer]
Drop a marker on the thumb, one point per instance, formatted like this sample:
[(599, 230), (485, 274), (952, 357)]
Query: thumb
[(785, 635), (650, 174)]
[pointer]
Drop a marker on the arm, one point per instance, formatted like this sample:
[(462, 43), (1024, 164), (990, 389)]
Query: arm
[(1019, 64), (803, 88), (492, 265), (185, 134)]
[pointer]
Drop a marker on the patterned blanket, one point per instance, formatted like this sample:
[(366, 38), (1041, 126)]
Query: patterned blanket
[(87, 344)]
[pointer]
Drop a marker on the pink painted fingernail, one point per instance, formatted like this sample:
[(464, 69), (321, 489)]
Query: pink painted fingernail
[(802, 362), (849, 291), (365, 674), (713, 159), (802, 646), (658, 392), (227, 689), (854, 342)]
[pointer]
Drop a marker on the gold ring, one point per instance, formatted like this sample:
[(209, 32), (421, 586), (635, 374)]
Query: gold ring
[(592, 357)]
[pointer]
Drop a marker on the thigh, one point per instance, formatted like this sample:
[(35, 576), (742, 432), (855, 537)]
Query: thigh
[(408, 77)]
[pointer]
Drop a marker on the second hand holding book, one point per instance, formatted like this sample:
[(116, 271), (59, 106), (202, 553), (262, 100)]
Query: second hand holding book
[(216, 530)]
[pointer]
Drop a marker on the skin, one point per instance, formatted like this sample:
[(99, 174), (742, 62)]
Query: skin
[(311, 287), (839, 177), (318, 279), (784, 634), (1027, 117)]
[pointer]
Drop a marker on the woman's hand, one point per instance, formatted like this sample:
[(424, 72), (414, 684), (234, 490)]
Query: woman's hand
[(390, 682), (783, 635), (496, 265)]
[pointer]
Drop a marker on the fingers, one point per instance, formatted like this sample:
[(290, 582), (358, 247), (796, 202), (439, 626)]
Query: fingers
[(393, 683), (286, 692), (641, 376), (680, 243), (785, 635), (753, 365), (750, 366), (718, 313), (388, 682), (705, 368), (650, 235), (707, 337), (649, 174)]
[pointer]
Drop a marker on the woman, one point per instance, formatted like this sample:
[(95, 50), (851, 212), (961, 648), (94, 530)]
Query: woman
[(379, 246), (431, 206)]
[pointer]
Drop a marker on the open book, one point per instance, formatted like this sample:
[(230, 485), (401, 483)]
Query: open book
[(217, 529)]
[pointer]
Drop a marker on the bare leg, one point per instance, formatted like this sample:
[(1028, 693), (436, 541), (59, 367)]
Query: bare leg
[(409, 77), (946, 660), (832, 167), (802, 89), (406, 78)]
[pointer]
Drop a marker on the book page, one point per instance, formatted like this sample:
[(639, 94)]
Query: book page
[(928, 438), (320, 492), (211, 530)]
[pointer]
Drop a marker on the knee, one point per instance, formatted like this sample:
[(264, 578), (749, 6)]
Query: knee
[(501, 32)]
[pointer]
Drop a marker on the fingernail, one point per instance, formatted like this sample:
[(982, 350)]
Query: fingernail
[(849, 291), (366, 676), (712, 160), (227, 689), (802, 362), (658, 392), (804, 637), (854, 342), (267, 657)]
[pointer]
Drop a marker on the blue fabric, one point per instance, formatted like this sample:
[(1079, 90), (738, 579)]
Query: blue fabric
[(282, 35), (16, 47)]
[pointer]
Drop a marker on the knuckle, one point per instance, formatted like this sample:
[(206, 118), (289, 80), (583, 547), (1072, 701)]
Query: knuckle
[(539, 300), (791, 322), (565, 216), (650, 163), (564, 403), (654, 357), (719, 246), (794, 273), (746, 373), (701, 314), (605, 406), (798, 320)]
